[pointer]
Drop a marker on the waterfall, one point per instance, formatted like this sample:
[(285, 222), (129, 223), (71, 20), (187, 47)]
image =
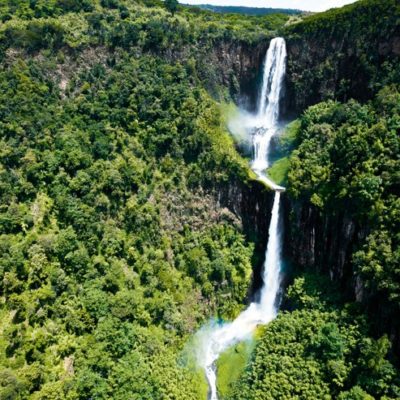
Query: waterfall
[(266, 122), (274, 74), (264, 126)]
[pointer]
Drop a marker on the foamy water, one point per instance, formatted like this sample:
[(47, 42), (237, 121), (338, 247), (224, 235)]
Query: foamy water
[(262, 126)]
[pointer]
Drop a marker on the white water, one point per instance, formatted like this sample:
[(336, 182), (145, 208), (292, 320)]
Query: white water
[(264, 125)]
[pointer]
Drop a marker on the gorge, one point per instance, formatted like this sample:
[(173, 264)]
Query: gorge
[(156, 211), (262, 126)]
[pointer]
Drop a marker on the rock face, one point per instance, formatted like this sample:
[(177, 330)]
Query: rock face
[(335, 69), (252, 203), (227, 64), (234, 65), (238, 66), (337, 60), (341, 54), (324, 243)]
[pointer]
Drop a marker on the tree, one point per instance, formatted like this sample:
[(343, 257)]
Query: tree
[(171, 5)]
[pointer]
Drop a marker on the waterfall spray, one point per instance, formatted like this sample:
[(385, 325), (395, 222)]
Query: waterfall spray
[(264, 125)]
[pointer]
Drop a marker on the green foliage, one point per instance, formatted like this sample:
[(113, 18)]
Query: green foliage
[(324, 63), (171, 5), (231, 364), (126, 24), (279, 170), (356, 393), (286, 142), (317, 352), (248, 10), (348, 162), (366, 12), (113, 250)]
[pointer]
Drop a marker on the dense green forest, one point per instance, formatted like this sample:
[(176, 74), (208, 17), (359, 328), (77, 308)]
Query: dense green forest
[(121, 23), (347, 159), (248, 10), (344, 53), (318, 350), (115, 247), (340, 159), (109, 247)]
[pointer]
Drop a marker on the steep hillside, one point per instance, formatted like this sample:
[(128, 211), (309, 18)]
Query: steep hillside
[(224, 52), (248, 10), (339, 335), (351, 52), (343, 180), (124, 212), (128, 218)]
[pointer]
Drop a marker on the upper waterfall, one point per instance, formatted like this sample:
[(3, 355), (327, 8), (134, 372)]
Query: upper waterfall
[(274, 73), (263, 126), (266, 121)]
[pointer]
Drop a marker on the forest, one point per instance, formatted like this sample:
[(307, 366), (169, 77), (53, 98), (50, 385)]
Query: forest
[(248, 10), (117, 243)]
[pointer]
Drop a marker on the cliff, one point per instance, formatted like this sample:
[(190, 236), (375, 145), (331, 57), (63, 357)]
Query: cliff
[(324, 242), (237, 66), (341, 54), (251, 202), (344, 53)]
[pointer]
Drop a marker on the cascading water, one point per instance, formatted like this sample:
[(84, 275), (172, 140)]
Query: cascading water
[(265, 125), (266, 121)]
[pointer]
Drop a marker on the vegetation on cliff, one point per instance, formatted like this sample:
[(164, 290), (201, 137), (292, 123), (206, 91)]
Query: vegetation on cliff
[(318, 350), (111, 251), (113, 248), (123, 23), (344, 53), (348, 162)]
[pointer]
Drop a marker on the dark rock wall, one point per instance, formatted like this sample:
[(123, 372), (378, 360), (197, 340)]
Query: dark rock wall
[(340, 62), (324, 243), (252, 203), (236, 66)]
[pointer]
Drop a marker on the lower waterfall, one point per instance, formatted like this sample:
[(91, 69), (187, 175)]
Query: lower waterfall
[(257, 313), (262, 127)]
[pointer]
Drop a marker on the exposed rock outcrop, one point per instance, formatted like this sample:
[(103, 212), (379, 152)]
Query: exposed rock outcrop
[(340, 56), (252, 202), (234, 65), (325, 243)]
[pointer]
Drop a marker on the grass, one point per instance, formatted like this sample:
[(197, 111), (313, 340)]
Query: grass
[(279, 171), (233, 362), (289, 137), (202, 385)]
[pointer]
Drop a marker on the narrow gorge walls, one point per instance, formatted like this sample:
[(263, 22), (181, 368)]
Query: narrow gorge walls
[(324, 243), (261, 126), (234, 65), (344, 53)]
